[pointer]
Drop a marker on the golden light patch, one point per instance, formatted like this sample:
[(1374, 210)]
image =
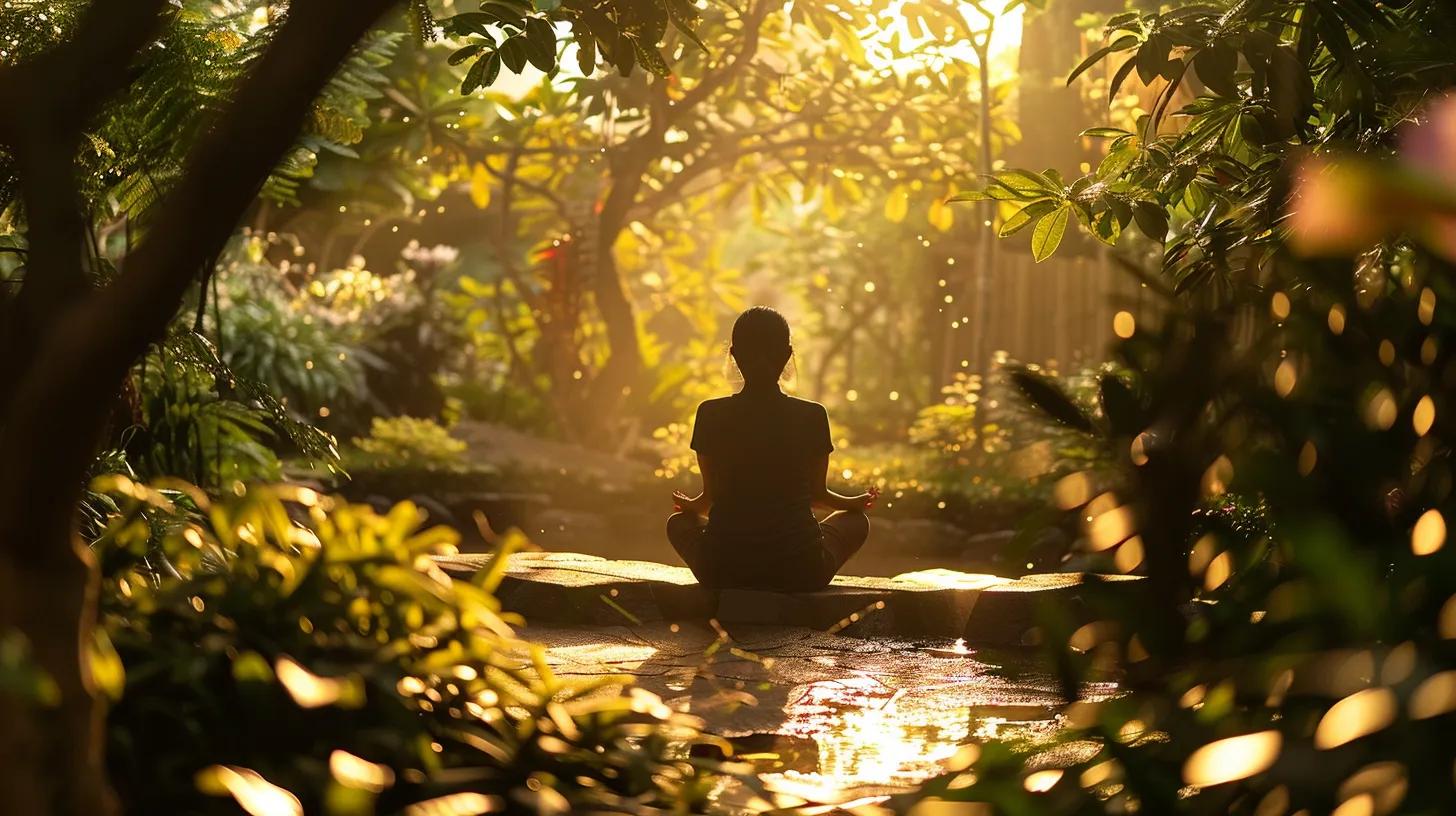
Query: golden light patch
[(1129, 556), (254, 794), (1073, 491), (1285, 378), (1436, 695), (1111, 528), (1218, 476), (1359, 715), (1308, 458), (1380, 410), (1042, 781), (1429, 534), (1124, 325), (1383, 783), (358, 773), (306, 688), (1279, 306), (1232, 759), (1424, 416), (1219, 570), (1446, 623)]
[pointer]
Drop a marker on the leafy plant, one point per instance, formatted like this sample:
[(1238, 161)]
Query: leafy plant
[(296, 344), (407, 442), (1264, 81), (1282, 478), (628, 38), (310, 650)]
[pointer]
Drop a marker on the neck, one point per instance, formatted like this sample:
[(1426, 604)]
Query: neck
[(760, 386)]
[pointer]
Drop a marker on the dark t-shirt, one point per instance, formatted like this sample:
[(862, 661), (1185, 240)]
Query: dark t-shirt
[(765, 447)]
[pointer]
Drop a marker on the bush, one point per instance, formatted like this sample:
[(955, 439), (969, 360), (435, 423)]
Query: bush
[(407, 442), (284, 644)]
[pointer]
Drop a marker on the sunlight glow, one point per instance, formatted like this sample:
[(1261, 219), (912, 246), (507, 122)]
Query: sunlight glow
[(892, 46), (1232, 759), (250, 790), (1361, 714)]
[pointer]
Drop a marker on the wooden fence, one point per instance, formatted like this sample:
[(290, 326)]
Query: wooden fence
[(1062, 309)]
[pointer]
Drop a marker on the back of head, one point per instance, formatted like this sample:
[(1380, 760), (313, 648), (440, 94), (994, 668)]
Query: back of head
[(761, 344)]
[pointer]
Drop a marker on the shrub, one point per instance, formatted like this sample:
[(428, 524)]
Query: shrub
[(407, 442), (284, 644)]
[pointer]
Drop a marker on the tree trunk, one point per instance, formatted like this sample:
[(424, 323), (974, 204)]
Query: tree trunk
[(85, 344), (624, 368), (53, 762)]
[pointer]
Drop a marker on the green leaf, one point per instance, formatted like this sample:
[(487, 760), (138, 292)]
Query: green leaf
[(513, 52), (1216, 66), (1152, 58), (1044, 394), (1120, 44), (1105, 133), (504, 12), (649, 57), (474, 77), (1120, 405), (1027, 181), (1049, 232), (1024, 217), (586, 55), (1151, 219), (1106, 227), (1117, 162), (467, 52), (971, 195), (541, 44), (1119, 78)]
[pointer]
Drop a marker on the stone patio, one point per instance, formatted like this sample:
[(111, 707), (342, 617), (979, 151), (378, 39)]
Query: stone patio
[(570, 589)]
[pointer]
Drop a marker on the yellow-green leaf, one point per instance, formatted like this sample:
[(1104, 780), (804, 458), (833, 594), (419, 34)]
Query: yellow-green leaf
[(830, 204), (941, 217), (897, 205), (480, 186), (1048, 233)]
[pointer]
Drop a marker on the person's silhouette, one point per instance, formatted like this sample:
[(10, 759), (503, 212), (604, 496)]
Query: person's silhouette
[(764, 458)]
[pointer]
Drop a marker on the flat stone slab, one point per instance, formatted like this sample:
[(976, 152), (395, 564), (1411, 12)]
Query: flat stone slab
[(583, 590)]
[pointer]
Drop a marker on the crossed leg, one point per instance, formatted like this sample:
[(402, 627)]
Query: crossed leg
[(685, 533), (844, 533)]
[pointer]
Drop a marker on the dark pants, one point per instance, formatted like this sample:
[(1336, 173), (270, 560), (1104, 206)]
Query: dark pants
[(843, 533)]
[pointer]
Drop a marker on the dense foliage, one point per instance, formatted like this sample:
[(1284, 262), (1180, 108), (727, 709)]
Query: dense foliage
[(1240, 90), (280, 647), (1277, 456)]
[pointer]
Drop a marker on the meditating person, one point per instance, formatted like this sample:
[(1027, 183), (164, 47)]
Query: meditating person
[(764, 458)]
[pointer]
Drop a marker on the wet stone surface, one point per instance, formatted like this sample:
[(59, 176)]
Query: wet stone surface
[(857, 690), (582, 590), (820, 712)]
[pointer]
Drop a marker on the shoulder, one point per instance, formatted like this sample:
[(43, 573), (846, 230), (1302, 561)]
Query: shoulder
[(808, 408), (713, 407)]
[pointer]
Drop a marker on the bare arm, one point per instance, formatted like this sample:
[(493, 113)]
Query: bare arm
[(824, 497), (703, 502)]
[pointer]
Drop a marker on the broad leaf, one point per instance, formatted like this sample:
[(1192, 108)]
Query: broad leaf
[(1048, 233)]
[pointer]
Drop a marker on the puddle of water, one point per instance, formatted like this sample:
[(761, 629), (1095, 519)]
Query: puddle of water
[(851, 715), (869, 734)]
